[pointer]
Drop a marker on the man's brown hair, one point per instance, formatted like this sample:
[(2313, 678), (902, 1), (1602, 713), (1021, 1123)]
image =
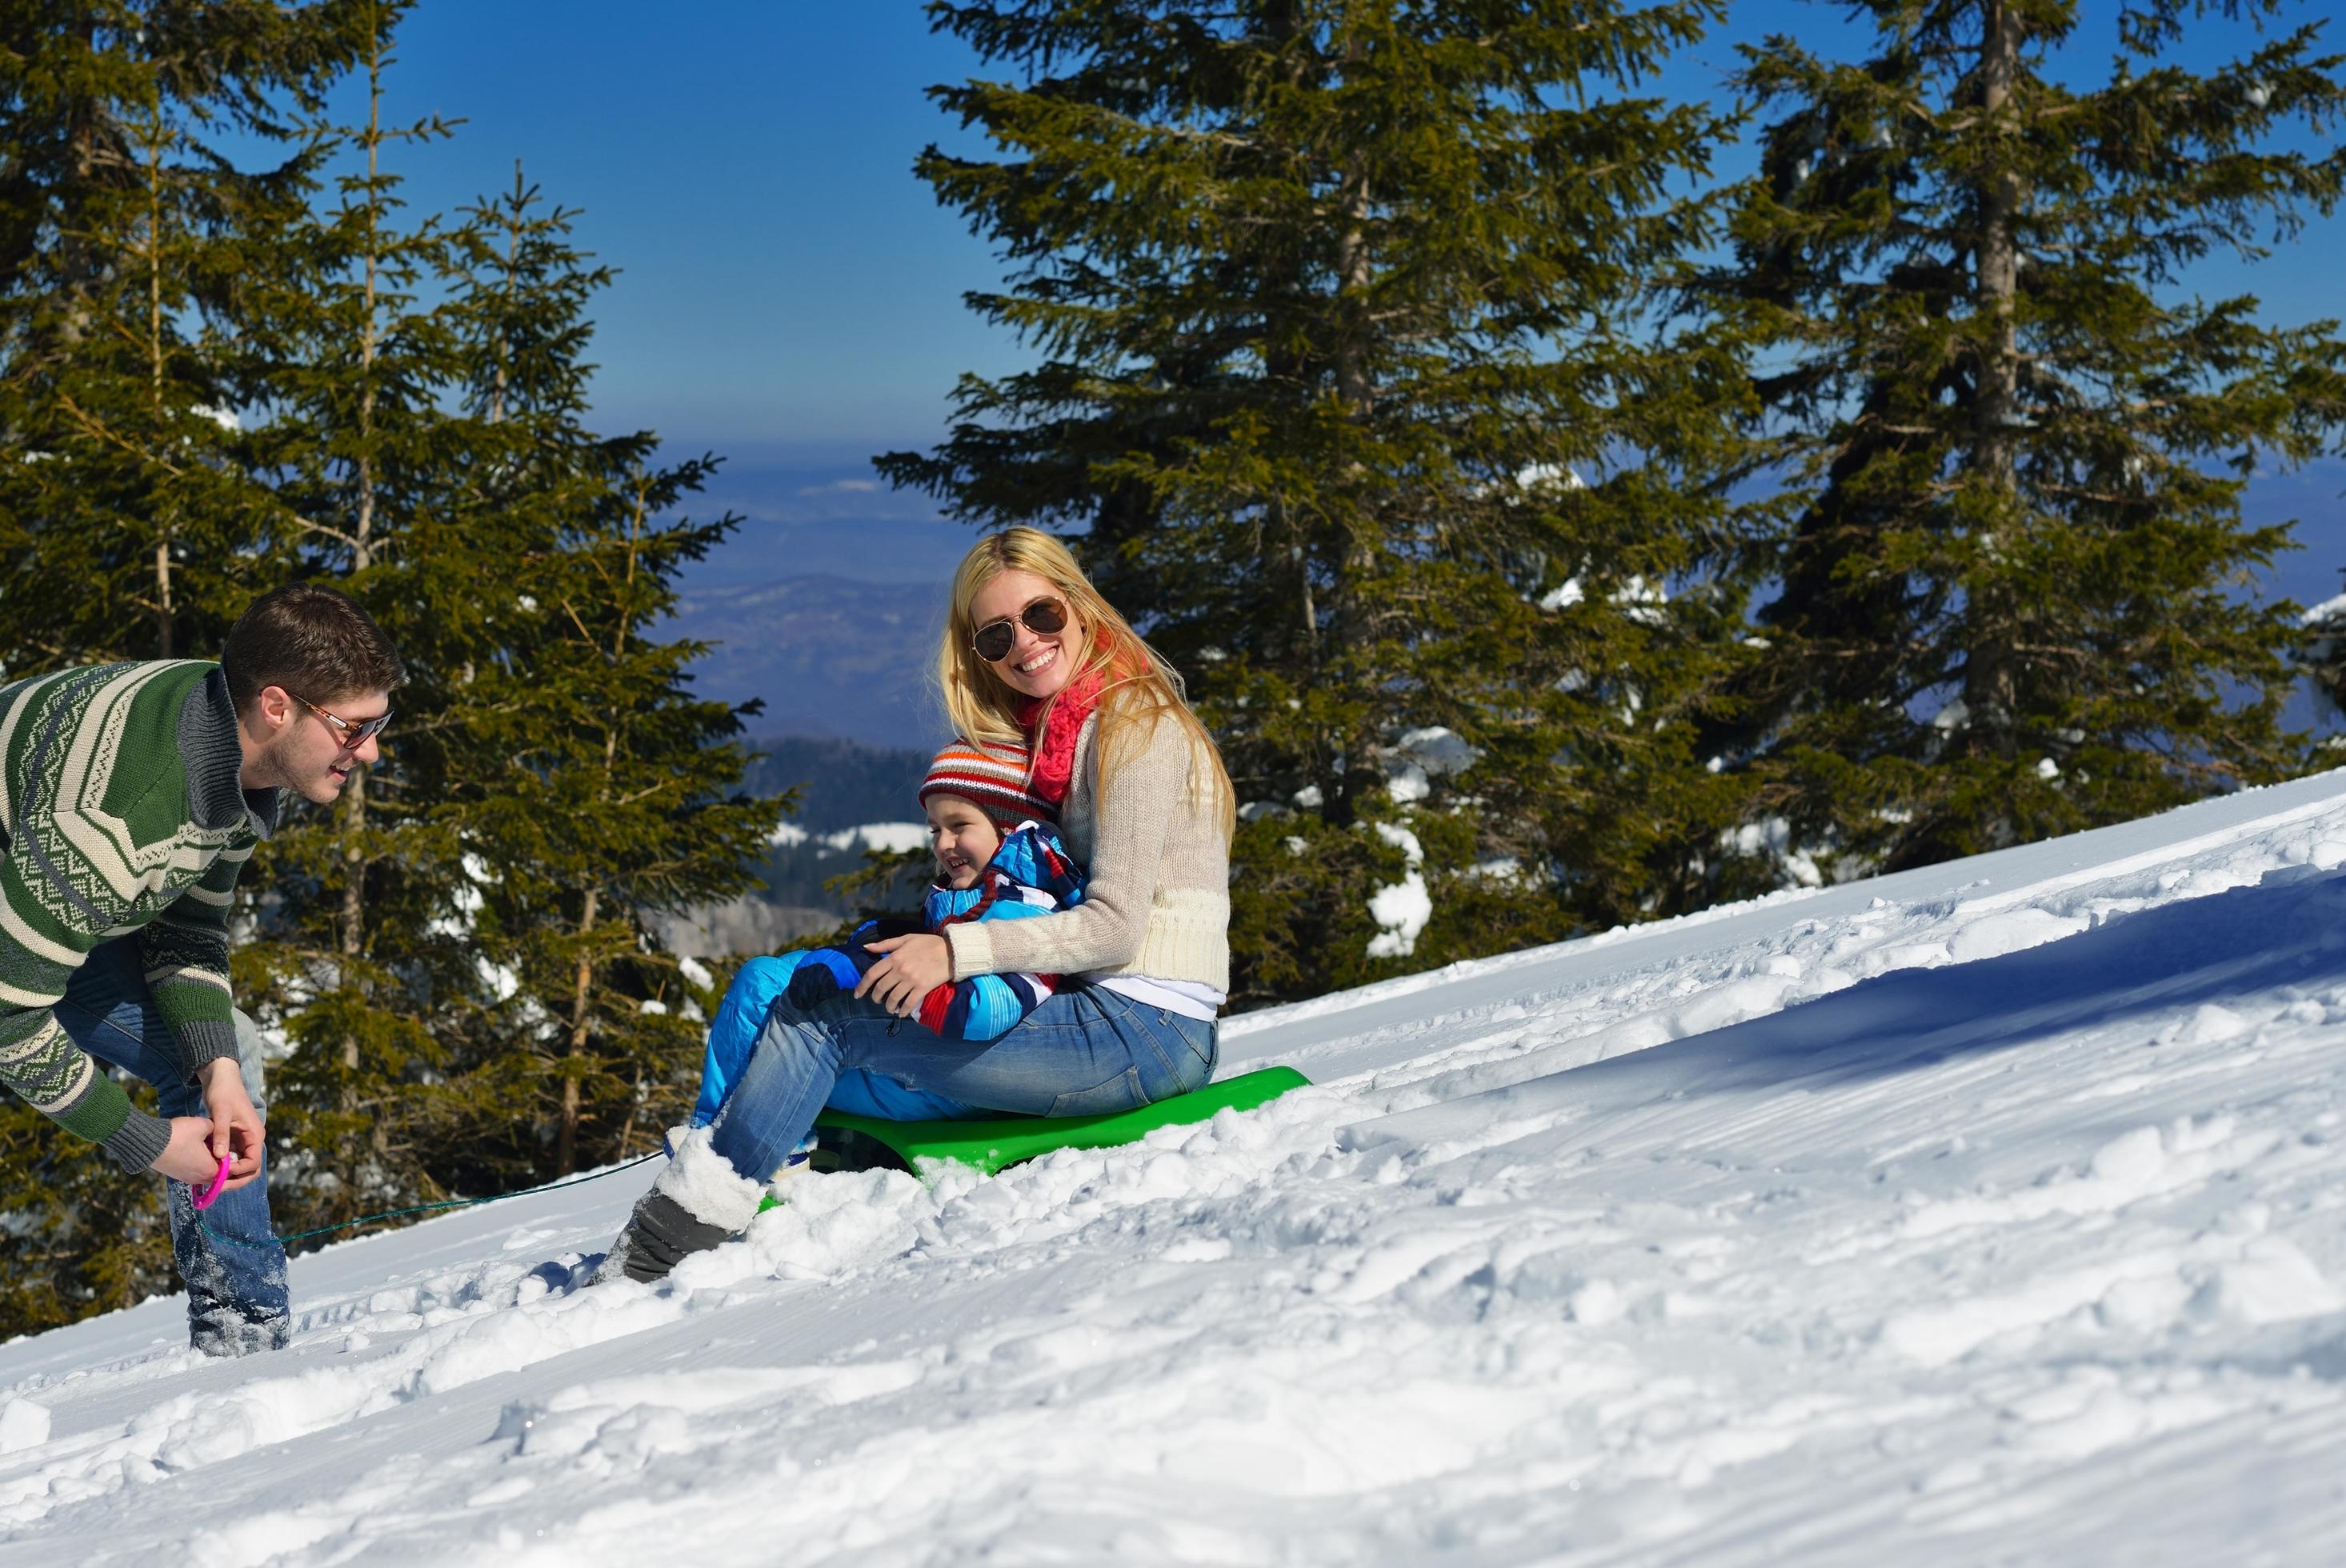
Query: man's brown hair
[(311, 640)]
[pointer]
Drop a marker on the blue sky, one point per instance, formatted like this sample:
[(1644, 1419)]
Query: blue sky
[(790, 295), (784, 280)]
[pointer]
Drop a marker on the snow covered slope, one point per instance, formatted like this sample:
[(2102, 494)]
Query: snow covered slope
[(1991, 1212)]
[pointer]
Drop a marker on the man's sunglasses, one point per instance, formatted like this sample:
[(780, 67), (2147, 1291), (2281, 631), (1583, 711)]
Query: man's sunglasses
[(994, 639), (351, 735)]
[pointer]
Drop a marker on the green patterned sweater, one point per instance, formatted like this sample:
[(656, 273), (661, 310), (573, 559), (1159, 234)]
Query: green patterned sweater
[(121, 815)]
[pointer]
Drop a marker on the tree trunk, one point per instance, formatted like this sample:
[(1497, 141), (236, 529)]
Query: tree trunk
[(85, 137), (571, 1113), (566, 1123), (513, 265), (156, 404), (1349, 620), (163, 597), (362, 556), (1991, 678)]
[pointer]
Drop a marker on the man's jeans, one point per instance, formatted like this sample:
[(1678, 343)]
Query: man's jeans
[(1085, 1051), (236, 1293)]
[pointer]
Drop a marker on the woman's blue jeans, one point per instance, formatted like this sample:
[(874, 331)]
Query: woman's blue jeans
[(1085, 1051), (236, 1284)]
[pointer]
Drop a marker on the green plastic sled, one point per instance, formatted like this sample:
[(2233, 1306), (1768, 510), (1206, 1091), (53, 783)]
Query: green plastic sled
[(850, 1143)]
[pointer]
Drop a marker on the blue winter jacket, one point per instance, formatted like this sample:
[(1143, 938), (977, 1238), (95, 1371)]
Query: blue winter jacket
[(1030, 874)]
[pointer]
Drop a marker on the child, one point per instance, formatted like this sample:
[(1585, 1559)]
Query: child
[(997, 858)]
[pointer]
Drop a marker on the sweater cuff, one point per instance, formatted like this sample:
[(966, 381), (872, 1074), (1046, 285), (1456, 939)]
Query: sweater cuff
[(139, 1142), (973, 949), (202, 1041)]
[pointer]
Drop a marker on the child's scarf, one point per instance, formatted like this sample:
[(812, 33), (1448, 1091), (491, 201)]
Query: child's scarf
[(1054, 746)]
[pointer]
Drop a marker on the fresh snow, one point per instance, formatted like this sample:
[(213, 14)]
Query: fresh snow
[(895, 837), (1417, 757), (2327, 609), (1400, 908), (1990, 1212)]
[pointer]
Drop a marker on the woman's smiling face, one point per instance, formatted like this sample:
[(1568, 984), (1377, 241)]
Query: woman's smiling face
[(1040, 663)]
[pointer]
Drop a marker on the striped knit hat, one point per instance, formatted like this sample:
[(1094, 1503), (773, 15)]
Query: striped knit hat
[(990, 774)]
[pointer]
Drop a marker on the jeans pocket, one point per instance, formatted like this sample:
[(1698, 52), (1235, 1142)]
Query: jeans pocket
[(1208, 1044), (1121, 1093), (1193, 1068), (1185, 1049)]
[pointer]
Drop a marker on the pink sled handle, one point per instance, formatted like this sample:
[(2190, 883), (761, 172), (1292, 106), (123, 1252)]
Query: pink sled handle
[(211, 1195)]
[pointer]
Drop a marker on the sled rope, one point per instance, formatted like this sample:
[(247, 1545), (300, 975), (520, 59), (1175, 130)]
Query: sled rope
[(424, 1207)]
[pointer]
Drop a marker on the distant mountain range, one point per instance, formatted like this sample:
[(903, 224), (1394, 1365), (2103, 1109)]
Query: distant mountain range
[(844, 788), (837, 657), (841, 784), (825, 603)]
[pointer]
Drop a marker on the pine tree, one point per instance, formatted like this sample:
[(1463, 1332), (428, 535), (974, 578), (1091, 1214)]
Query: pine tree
[(80, 1239), (2011, 600), (128, 485), (461, 951), (1339, 302), (367, 965), (589, 788), (127, 497), (124, 234)]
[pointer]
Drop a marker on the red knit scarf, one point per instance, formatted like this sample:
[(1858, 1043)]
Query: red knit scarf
[(1054, 743)]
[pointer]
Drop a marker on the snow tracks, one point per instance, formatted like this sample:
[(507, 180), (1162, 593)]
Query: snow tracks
[(1986, 1212)]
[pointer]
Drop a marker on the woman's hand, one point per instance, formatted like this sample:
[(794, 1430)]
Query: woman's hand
[(913, 966)]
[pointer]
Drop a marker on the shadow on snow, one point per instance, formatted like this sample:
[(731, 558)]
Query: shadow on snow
[(2289, 929)]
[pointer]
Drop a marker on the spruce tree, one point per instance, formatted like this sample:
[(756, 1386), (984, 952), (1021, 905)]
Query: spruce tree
[(124, 503), (589, 789), (129, 505), (1349, 378), (367, 965), (125, 234), (129, 491), (80, 1239), (459, 952), (2012, 601)]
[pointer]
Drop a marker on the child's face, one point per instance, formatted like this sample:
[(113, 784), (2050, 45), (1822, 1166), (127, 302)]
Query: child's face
[(961, 839)]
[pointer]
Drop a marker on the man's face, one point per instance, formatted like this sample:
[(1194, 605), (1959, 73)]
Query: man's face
[(307, 752)]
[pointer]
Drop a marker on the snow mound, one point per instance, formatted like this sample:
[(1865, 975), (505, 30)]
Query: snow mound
[(1989, 1212)]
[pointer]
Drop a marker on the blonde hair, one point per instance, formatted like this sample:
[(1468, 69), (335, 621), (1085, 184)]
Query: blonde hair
[(1139, 687)]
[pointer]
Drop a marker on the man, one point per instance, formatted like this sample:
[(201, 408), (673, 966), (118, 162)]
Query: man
[(131, 796)]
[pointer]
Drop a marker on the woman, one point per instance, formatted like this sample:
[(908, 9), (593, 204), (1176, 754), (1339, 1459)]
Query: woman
[(1033, 654)]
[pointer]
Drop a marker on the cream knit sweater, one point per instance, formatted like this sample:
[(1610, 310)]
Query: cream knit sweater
[(1158, 901)]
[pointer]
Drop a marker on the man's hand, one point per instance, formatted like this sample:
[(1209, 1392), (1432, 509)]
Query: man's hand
[(236, 1128), (189, 1155), (914, 966)]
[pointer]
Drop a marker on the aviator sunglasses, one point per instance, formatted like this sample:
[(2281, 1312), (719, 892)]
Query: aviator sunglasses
[(352, 734), (994, 639)]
